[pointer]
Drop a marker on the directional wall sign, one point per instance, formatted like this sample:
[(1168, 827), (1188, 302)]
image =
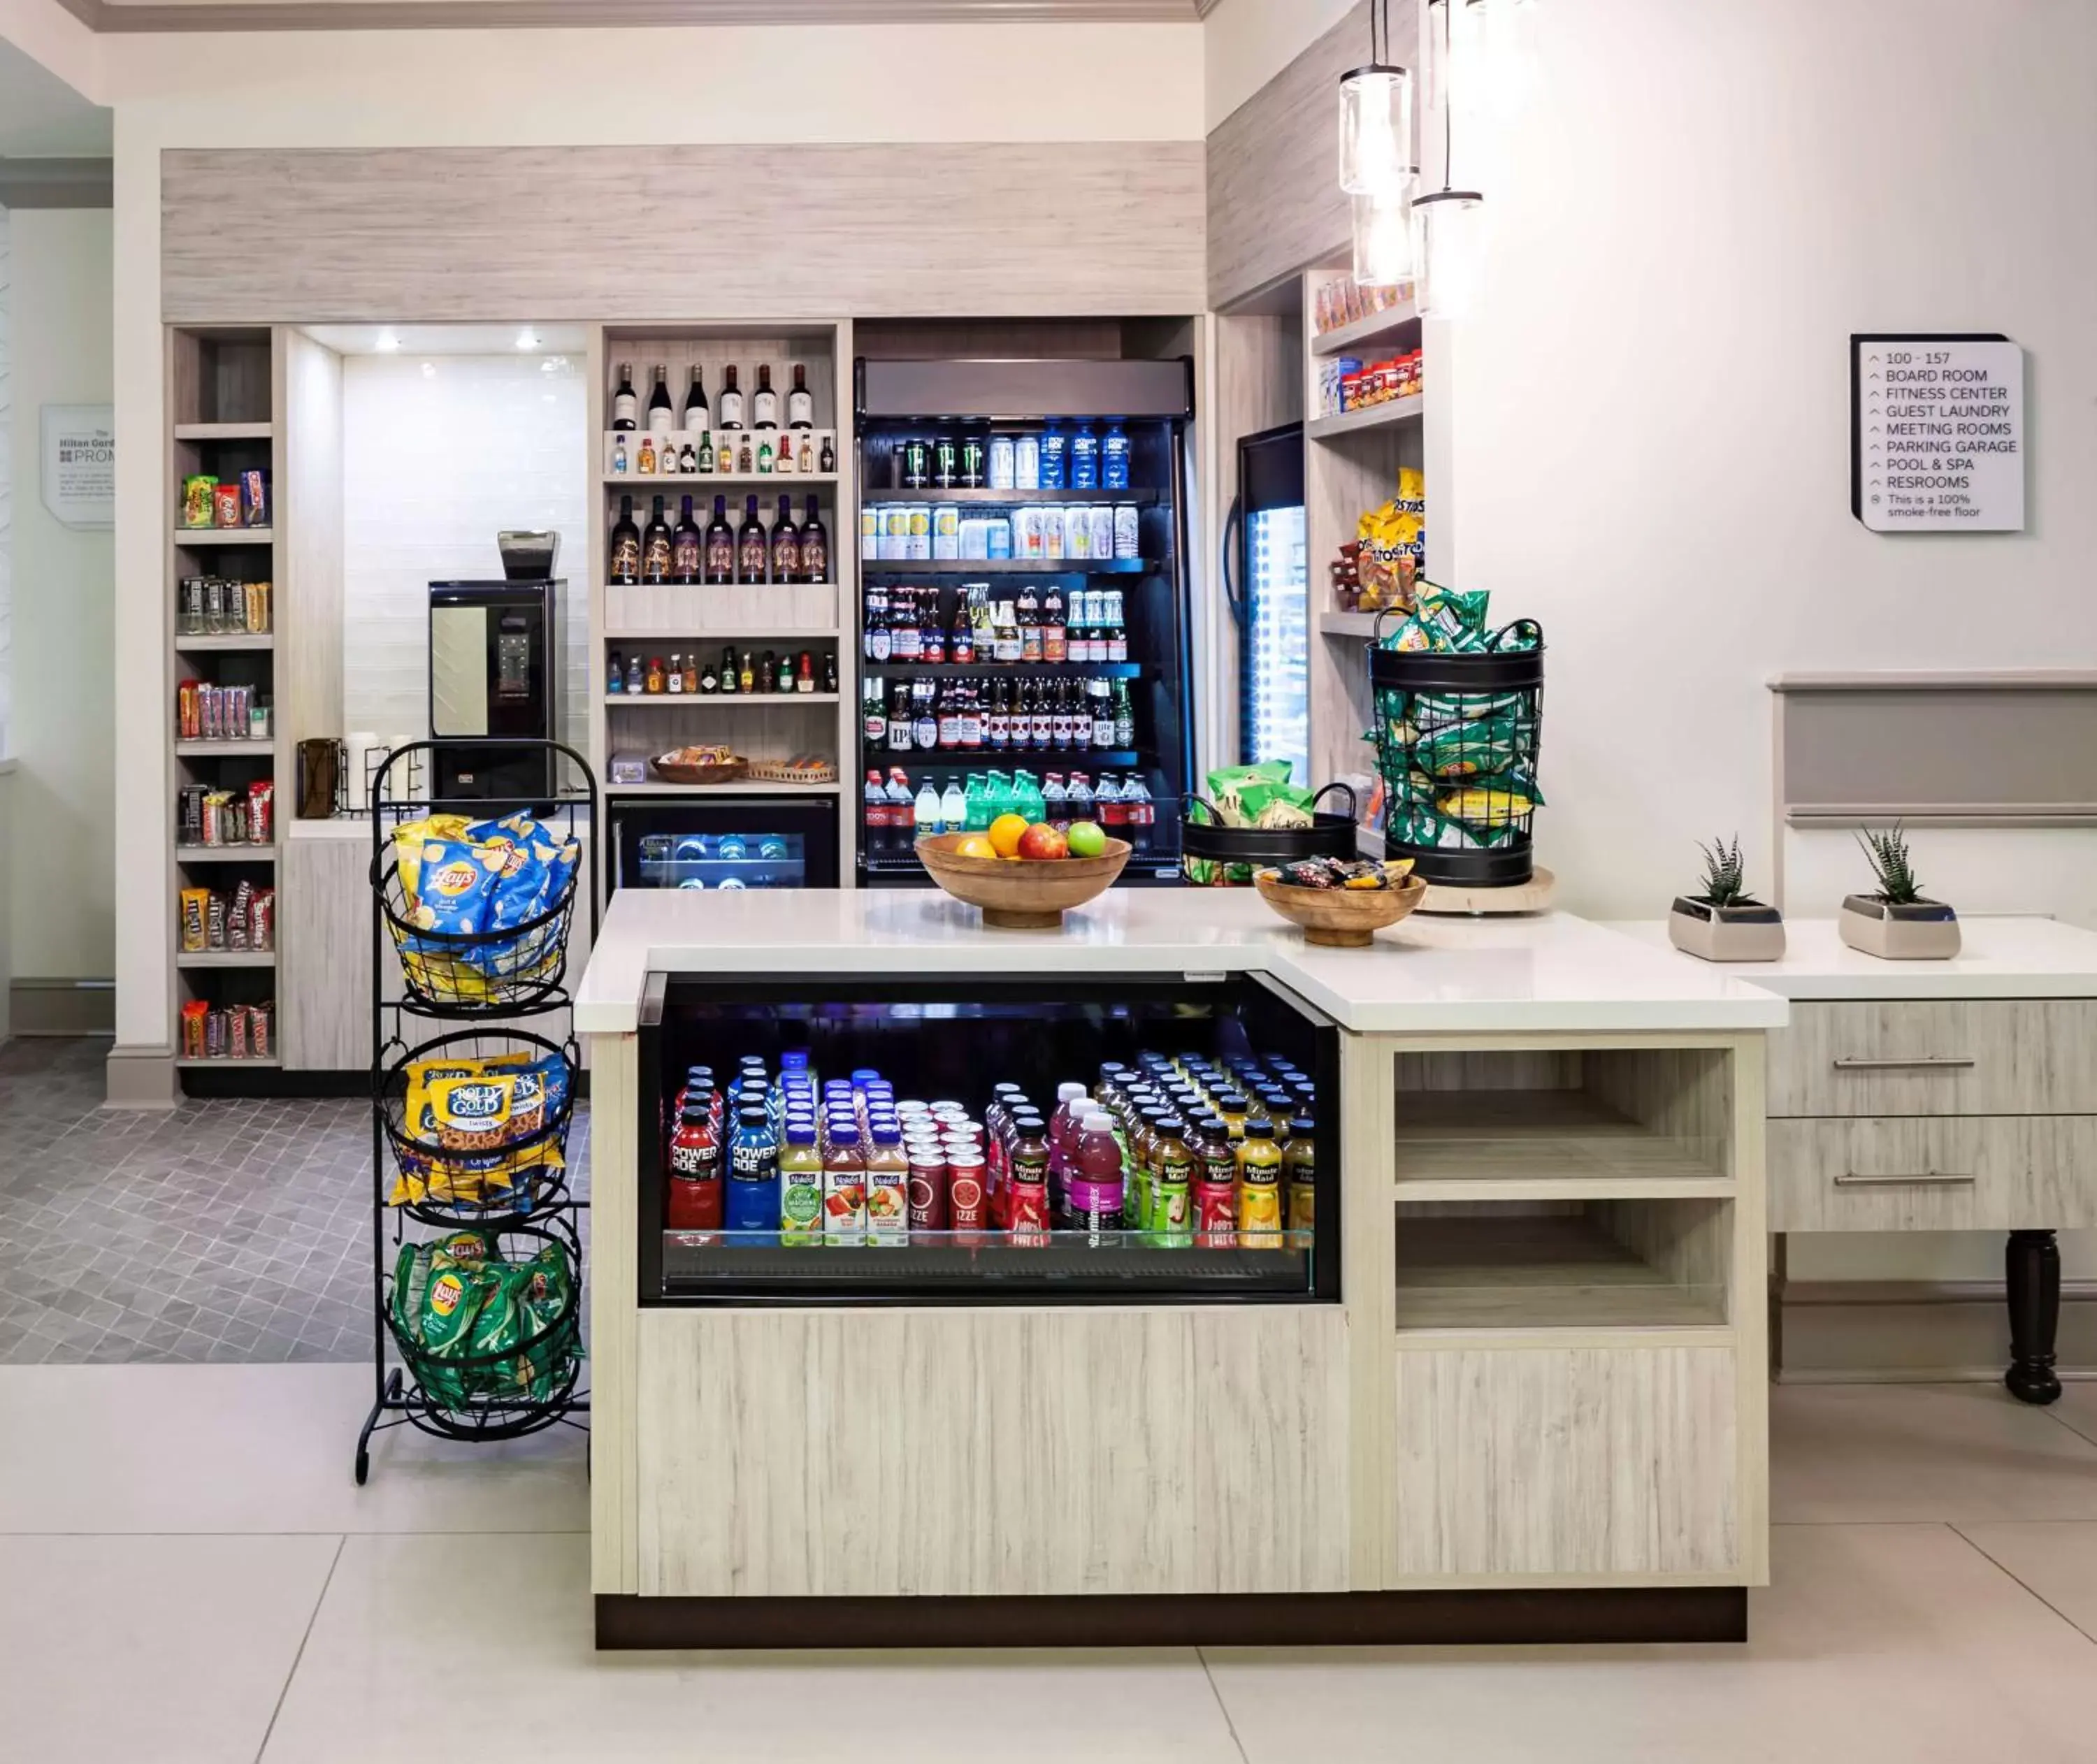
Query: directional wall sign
[(1937, 433)]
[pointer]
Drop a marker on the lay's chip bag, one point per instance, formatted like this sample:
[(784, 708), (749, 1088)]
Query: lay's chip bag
[(456, 884)]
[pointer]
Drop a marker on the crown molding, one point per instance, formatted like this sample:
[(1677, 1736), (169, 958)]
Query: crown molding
[(166, 15), (55, 183)]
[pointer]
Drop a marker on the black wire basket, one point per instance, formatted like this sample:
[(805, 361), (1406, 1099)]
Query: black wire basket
[(502, 1183), (503, 1374), (479, 974), (1215, 855), (1458, 737)]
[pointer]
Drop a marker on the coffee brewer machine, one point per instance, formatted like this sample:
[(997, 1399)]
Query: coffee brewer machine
[(495, 671)]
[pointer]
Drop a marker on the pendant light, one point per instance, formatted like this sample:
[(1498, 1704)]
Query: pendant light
[(1384, 250), (1447, 222), (1375, 118)]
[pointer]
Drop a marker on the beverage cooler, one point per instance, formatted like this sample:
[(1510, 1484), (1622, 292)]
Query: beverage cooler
[(1267, 585), (745, 841), (1024, 633), (958, 1140)]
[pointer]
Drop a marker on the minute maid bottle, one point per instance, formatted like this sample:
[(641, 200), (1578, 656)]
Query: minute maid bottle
[(753, 1176)]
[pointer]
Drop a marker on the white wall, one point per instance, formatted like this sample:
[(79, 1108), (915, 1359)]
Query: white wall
[(1245, 43), (63, 876), (439, 455)]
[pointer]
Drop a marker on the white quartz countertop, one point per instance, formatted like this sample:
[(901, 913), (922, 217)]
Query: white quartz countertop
[(1999, 958), (1548, 974)]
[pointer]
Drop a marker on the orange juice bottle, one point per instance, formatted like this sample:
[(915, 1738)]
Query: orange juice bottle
[(1260, 1187), (1299, 1172)]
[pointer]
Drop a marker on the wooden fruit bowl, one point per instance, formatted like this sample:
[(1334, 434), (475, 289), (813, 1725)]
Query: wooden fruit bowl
[(672, 772), (1016, 894), (1341, 918)]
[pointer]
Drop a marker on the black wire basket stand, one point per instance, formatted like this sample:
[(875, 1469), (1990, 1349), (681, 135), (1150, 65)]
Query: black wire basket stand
[(496, 1199), (1458, 739), (1215, 855)]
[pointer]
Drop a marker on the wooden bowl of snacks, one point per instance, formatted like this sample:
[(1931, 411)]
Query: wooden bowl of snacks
[(1021, 894), (699, 765), (1341, 905)]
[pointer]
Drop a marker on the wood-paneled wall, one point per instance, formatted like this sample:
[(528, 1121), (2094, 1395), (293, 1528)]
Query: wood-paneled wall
[(1275, 201), (629, 234)]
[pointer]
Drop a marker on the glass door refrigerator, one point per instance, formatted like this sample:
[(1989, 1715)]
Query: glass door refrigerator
[(1267, 584), (1024, 633), (748, 842)]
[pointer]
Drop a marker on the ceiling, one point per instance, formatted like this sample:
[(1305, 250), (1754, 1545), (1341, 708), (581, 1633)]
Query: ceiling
[(423, 341), (42, 117), (385, 14)]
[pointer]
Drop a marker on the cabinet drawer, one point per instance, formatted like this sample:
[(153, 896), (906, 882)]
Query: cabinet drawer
[(1937, 1057), (1933, 1173)]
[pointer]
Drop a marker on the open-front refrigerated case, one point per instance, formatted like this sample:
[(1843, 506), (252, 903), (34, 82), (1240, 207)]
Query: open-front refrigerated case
[(1269, 593), (962, 520), (1239, 1043)]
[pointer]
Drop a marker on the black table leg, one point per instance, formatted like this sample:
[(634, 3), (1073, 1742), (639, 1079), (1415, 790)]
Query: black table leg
[(2031, 1267)]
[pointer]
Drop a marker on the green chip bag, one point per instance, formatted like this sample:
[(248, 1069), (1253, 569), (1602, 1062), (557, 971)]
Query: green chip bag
[(1228, 786)]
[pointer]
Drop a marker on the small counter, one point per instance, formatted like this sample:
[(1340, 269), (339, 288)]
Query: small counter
[(1527, 1405)]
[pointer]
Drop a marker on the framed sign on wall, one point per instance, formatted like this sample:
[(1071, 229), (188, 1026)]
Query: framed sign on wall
[(79, 474), (1936, 441)]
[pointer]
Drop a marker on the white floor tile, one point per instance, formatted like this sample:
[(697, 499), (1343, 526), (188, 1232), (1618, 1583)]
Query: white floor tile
[(2077, 1407), (256, 1448), (1877, 1645), (173, 1649), (413, 1630), (1856, 1454), (2057, 1561)]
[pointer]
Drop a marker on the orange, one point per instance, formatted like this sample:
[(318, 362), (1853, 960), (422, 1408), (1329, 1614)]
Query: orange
[(1005, 833)]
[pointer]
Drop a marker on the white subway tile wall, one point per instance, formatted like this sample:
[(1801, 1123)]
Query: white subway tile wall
[(439, 455)]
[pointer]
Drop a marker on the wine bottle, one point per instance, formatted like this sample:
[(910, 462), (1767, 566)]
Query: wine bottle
[(695, 403), (655, 547), (749, 546), (800, 404), (662, 415), (731, 400), (815, 547), (625, 565), (764, 402), (687, 548), (785, 544), (625, 405), (720, 546)]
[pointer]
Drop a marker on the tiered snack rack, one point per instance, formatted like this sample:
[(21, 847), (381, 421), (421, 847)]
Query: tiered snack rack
[(529, 1005)]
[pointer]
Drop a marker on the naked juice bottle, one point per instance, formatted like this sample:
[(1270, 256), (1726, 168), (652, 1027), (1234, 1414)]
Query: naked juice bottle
[(800, 1186), (844, 1184), (888, 1185), (1260, 1187)]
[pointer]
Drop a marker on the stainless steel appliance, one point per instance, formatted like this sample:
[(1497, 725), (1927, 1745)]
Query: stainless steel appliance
[(495, 671)]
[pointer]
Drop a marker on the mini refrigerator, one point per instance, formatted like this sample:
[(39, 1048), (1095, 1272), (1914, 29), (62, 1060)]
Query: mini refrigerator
[(1267, 583), (745, 841)]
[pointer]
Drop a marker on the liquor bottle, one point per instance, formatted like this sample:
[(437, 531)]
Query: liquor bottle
[(782, 462), (750, 547), (647, 461), (676, 683), (805, 673), (764, 402), (720, 546), (695, 404), (730, 674), (709, 678), (662, 413), (764, 458), (831, 671), (687, 459), (704, 460), (815, 547), (625, 404), (807, 461), (768, 675), (829, 460), (899, 718), (800, 404), (635, 679), (619, 454), (691, 671), (655, 547), (1124, 716), (785, 544), (745, 461), (687, 548), (731, 400), (625, 566), (747, 675), (615, 676)]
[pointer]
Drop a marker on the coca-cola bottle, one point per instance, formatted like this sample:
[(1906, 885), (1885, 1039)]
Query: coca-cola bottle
[(874, 821)]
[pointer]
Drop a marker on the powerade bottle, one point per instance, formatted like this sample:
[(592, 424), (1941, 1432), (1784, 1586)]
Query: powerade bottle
[(1054, 454), (1114, 459), (753, 1174), (1084, 468)]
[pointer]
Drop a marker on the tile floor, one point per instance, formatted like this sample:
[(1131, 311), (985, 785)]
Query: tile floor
[(1935, 1599), (222, 1230)]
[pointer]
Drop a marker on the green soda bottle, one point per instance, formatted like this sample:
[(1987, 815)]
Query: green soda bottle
[(978, 816), (1027, 797)]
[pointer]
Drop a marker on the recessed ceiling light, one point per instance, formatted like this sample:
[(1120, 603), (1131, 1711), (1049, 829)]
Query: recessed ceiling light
[(388, 342), (527, 338), (429, 370)]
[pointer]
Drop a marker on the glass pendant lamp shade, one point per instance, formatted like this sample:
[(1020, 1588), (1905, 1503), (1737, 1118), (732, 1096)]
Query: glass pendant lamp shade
[(1384, 253), (1376, 129), (1447, 248)]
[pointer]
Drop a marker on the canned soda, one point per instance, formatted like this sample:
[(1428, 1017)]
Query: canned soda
[(1127, 532), (917, 465), (965, 1193), (928, 1189), (918, 519), (894, 531), (1003, 459), (1103, 531), (870, 531), (972, 462), (1077, 531), (1027, 462), (946, 463), (1025, 533)]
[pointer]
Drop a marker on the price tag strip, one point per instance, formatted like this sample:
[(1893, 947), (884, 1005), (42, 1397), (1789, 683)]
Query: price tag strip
[(1937, 433)]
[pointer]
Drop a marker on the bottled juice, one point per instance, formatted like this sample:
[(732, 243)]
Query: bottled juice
[(1230, 1107), (800, 1187), (1071, 1105), (927, 1160), (753, 1174), (1027, 1178), (844, 1186), (1142, 1186), (1299, 1170), (1215, 1185), (693, 1202), (1096, 1190), (888, 1185), (1260, 1187), (1171, 1178), (966, 1214)]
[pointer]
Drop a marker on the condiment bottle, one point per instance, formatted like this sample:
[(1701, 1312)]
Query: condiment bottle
[(1299, 1169), (1260, 1187)]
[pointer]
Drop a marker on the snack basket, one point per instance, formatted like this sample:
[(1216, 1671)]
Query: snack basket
[(1227, 856), (1458, 736), (523, 1175), (483, 973)]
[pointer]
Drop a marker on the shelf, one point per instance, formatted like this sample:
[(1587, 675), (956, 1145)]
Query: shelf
[(1528, 1271), (224, 750), (1347, 624), (701, 792), (225, 432), (1389, 325), (196, 537), (1004, 758), (1007, 567), (1005, 670), (1540, 1145), (1009, 498), (1392, 413), (209, 645), (741, 633), (225, 854), (696, 481), (654, 701), (223, 1065), (228, 958)]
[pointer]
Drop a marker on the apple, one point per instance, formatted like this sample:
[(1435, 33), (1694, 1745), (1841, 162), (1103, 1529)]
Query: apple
[(1087, 839), (1043, 841)]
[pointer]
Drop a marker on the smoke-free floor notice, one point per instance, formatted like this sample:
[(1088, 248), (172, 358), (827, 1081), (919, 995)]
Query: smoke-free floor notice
[(1937, 433)]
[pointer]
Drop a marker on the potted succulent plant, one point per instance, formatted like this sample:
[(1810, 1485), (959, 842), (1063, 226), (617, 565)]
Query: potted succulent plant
[(1725, 923), (1897, 921)]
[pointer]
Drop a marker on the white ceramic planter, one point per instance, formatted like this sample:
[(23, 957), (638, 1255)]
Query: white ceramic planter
[(1749, 932), (1922, 931)]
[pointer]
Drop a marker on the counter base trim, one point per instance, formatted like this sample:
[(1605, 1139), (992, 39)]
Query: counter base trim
[(1488, 1616)]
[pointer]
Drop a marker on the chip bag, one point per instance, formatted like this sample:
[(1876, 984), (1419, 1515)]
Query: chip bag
[(455, 885), (1228, 786), (408, 839)]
